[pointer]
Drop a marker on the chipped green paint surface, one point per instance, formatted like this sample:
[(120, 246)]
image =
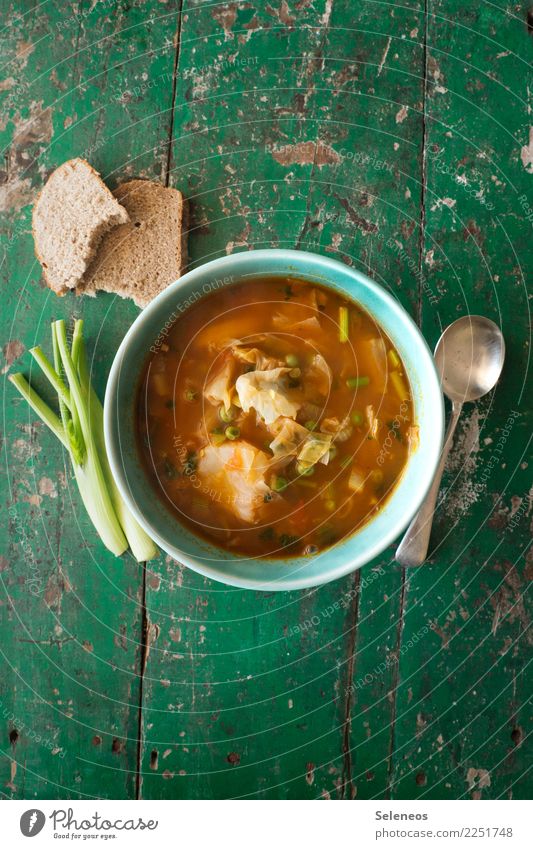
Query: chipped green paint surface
[(396, 138)]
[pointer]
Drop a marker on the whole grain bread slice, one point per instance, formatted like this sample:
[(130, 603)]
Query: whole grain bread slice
[(70, 217), (139, 259)]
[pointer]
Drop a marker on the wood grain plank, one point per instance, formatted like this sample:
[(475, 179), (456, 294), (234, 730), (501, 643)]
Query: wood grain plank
[(463, 713), (367, 213), (72, 612), (291, 170), (244, 692)]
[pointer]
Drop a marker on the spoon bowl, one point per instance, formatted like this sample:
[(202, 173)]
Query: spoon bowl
[(469, 358)]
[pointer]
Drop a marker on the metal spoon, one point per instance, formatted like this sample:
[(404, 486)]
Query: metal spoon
[(469, 358)]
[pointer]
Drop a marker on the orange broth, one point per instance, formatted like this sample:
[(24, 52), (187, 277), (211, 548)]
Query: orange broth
[(326, 437)]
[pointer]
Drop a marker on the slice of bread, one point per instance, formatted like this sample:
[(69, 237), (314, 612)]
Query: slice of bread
[(70, 216), (139, 259)]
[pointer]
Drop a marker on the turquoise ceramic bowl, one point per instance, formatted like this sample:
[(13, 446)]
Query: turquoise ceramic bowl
[(295, 572)]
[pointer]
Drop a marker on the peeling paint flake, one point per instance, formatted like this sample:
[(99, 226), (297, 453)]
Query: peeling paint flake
[(282, 14), (384, 55), (306, 153), (429, 258), (12, 775), (401, 114), (326, 17), (226, 17), (462, 461), (479, 777), (15, 195), (12, 351), (46, 486), (526, 153), (35, 129), (449, 202), (24, 450)]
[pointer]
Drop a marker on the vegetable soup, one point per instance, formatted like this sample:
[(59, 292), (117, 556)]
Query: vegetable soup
[(275, 418)]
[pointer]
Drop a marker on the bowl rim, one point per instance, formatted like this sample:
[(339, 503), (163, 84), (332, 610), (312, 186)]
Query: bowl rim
[(316, 264)]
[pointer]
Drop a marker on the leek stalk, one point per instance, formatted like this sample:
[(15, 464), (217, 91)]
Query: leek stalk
[(80, 430), (344, 324)]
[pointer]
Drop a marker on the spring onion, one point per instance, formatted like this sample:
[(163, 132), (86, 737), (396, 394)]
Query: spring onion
[(394, 359), (357, 418), (80, 430), (232, 432), (278, 484), (356, 382), (344, 324), (38, 406), (142, 547), (399, 385), (304, 469)]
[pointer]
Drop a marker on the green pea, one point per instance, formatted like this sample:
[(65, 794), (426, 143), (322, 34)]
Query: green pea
[(292, 360), (227, 415)]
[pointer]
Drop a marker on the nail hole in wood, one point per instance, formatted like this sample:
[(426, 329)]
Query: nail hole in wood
[(421, 779), (117, 746), (13, 736), (153, 759)]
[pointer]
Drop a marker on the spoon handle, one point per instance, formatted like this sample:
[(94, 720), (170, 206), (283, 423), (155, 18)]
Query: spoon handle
[(413, 548)]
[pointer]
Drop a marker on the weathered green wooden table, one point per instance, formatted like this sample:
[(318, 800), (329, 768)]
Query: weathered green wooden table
[(397, 138)]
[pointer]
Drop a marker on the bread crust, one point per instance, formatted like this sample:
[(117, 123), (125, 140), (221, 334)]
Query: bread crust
[(94, 279), (62, 290)]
